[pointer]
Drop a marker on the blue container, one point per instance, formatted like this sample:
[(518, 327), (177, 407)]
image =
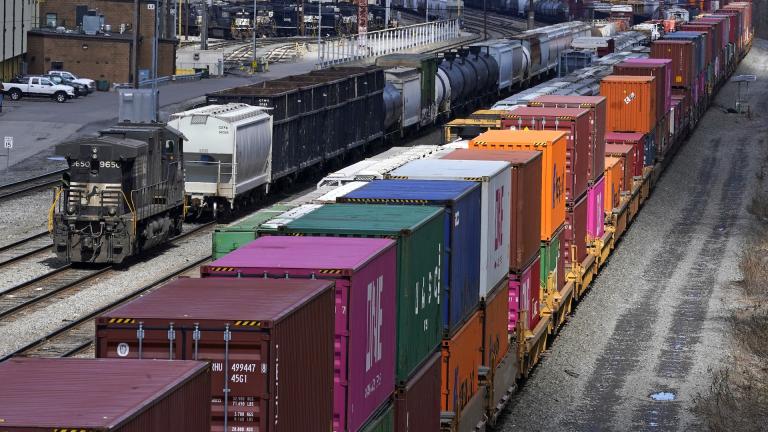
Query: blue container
[(461, 200), (649, 149), (698, 39)]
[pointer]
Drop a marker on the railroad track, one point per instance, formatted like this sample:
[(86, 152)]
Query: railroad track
[(31, 184), (76, 335), (28, 247)]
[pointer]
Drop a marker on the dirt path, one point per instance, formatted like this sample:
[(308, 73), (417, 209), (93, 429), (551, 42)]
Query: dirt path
[(653, 321)]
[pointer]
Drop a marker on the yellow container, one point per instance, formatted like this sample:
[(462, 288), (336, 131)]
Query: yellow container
[(552, 145)]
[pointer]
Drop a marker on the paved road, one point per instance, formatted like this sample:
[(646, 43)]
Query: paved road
[(654, 319)]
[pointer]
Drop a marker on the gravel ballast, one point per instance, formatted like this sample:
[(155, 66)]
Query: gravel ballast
[(23, 216)]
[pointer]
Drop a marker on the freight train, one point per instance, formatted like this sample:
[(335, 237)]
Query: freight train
[(427, 299)]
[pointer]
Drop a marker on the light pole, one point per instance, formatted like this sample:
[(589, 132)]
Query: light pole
[(319, 28), (154, 61), (253, 57)]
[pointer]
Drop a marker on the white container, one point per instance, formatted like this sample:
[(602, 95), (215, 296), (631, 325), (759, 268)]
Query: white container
[(376, 167), (495, 177), (227, 151)]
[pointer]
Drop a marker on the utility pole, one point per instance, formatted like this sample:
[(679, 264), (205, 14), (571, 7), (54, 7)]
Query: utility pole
[(186, 20), (135, 51), (530, 15), (253, 57), (301, 18), (388, 6), (485, 20), (204, 27), (154, 60)]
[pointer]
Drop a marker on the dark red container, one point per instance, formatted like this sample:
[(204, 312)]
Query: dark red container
[(417, 403), (280, 347), (576, 123), (637, 141), (575, 235), (104, 395), (683, 61), (597, 117), (654, 70), (709, 38)]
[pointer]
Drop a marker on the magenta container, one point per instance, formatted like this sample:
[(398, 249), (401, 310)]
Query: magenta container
[(526, 285), (514, 303), (364, 272), (595, 217), (667, 84)]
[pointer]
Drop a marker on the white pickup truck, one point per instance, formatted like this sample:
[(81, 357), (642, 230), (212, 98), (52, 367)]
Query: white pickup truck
[(37, 87), (74, 78)]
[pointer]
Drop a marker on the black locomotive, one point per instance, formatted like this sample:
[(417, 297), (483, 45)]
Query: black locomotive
[(123, 193)]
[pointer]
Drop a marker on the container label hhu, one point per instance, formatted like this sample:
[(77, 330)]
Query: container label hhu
[(374, 350)]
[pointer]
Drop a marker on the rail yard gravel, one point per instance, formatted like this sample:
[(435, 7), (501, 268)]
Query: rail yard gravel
[(23, 216), (22, 330), (659, 326)]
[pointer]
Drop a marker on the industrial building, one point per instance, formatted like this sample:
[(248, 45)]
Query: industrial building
[(16, 17)]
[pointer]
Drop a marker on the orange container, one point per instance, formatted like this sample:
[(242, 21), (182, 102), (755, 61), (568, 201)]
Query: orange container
[(462, 356), (626, 153), (495, 315), (614, 172), (631, 103), (552, 145)]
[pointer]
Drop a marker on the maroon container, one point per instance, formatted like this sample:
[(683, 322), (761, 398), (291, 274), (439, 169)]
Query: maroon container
[(682, 56), (278, 361), (575, 234), (637, 141), (525, 199), (709, 38), (417, 403), (662, 83), (104, 395), (625, 152), (597, 117), (576, 123)]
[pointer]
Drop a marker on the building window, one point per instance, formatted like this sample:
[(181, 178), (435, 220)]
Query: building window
[(57, 65), (50, 20)]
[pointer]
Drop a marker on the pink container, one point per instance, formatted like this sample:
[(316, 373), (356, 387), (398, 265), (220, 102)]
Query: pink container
[(526, 283), (595, 200), (364, 272), (668, 69)]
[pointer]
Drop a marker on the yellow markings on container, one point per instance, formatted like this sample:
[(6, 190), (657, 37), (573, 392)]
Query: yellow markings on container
[(69, 430), (121, 321), (221, 269), (393, 177), (247, 323), (476, 179), (387, 201), (331, 271), (678, 78)]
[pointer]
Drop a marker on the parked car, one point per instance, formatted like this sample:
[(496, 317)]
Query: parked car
[(35, 86), (74, 78), (80, 89)]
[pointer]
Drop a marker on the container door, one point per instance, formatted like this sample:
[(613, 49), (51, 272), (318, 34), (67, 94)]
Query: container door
[(247, 374), (341, 355), (123, 343)]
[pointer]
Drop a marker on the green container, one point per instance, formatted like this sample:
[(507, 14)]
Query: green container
[(420, 233), (230, 237), (550, 259), (384, 420)]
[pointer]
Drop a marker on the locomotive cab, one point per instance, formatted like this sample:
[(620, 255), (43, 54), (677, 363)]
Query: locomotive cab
[(123, 193)]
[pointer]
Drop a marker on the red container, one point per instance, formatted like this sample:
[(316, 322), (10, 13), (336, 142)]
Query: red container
[(417, 404), (637, 141), (525, 199), (732, 26), (575, 234), (576, 123), (363, 270), (529, 307), (682, 56), (495, 316), (709, 39), (661, 69), (626, 152), (105, 395), (596, 106), (278, 361)]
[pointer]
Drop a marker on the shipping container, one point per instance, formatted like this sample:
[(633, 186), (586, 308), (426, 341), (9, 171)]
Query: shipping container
[(201, 314), (639, 143), (575, 122), (494, 177), (461, 200), (461, 358), (597, 109), (553, 263), (525, 199), (595, 210), (104, 395), (465, 129), (528, 284), (228, 238), (552, 145), (575, 235), (658, 68), (495, 315), (682, 54), (700, 50), (420, 235), (364, 273), (626, 153), (614, 171), (631, 103), (417, 403), (383, 420)]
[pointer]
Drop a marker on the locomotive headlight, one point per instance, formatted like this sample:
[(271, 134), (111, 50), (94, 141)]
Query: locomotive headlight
[(112, 211), (71, 209)]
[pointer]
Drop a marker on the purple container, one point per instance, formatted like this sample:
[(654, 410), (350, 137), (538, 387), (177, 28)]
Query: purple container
[(364, 272), (595, 215), (667, 84)]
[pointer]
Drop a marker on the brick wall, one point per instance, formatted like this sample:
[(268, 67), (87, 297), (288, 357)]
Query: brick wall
[(115, 12)]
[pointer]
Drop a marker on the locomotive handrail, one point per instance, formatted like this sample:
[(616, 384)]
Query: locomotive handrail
[(52, 210)]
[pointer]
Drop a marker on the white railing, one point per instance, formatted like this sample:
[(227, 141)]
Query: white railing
[(358, 47)]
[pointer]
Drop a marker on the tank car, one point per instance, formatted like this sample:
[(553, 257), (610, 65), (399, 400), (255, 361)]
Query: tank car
[(123, 193)]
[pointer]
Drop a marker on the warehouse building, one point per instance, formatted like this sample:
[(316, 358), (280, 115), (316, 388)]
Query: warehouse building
[(16, 17), (94, 38)]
